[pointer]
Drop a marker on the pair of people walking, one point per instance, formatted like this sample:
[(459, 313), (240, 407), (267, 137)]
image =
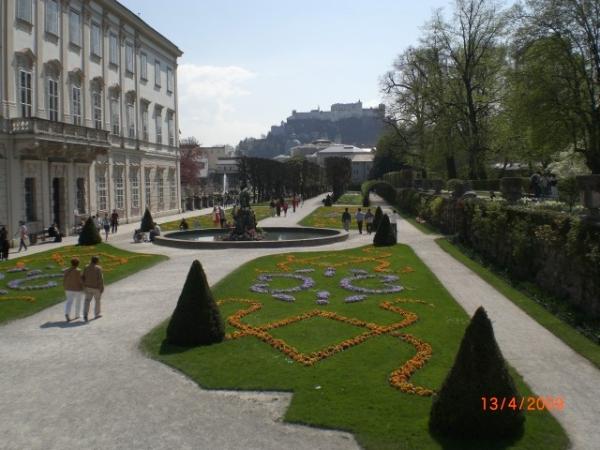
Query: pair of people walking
[(89, 283)]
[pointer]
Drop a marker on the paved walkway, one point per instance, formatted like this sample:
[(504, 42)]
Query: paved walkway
[(88, 386), (549, 366)]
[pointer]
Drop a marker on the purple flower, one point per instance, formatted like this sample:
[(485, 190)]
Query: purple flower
[(260, 288), (284, 297), (346, 283), (307, 270), (3, 292), (355, 298), (359, 272), (322, 301), (329, 272), (33, 273), (323, 295), (263, 288)]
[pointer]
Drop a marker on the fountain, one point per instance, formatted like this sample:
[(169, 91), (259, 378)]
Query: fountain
[(245, 234)]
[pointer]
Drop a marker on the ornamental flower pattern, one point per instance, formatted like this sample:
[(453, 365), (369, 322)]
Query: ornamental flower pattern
[(16, 283), (266, 278), (387, 280), (323, 297)]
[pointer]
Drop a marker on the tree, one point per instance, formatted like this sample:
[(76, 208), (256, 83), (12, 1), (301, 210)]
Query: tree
[(196, 319), (339, 172), (377, 218), (479, 370), (385, 234), (390, 155), (89, 234), (570, 31), (147, 222), (470, 47)]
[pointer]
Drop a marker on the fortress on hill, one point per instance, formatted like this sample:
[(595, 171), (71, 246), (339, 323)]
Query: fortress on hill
[(347, 123)]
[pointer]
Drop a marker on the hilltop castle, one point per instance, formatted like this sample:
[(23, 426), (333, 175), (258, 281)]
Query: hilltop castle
[(347, 123)]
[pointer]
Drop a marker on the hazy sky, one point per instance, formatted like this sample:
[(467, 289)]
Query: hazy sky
[(247, 64)]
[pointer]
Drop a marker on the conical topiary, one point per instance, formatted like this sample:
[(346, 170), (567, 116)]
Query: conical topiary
[(384, 235), (377, 218), (89, 234), (196, 319), (479, 371), (147, 222)]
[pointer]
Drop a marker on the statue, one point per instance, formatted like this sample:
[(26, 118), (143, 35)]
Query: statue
[(244, 197)]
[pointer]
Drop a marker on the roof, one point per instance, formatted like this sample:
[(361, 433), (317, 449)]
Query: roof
[(362, 158), (339, 148)]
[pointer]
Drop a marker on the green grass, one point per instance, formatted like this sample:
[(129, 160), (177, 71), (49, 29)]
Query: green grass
[(350, 198), (331, 217), (423, 227), (205, 220), (349, 390), (117, 264), (559, 328)]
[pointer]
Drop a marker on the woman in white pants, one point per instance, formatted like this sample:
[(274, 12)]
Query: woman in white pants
[(73, 285)]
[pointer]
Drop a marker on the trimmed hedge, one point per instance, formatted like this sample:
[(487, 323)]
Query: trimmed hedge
[(558, 252), (89, 234)]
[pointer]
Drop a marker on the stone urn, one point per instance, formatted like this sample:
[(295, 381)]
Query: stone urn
[(511, 188), (589, 191)]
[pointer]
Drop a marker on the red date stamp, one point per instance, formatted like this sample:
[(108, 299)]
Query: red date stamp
[(549, 403)]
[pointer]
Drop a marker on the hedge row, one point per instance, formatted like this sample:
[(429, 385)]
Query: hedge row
[(558, 252)]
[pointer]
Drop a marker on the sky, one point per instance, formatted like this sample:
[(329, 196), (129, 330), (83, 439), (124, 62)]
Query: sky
[(247, 64)]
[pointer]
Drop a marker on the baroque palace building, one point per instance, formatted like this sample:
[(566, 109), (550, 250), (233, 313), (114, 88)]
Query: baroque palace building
[(88, 114)]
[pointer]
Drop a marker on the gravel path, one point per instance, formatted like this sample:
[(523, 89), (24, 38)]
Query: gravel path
[(88, 386), (548, 365)]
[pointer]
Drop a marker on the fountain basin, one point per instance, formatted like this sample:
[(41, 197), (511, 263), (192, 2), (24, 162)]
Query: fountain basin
[(274, 237)]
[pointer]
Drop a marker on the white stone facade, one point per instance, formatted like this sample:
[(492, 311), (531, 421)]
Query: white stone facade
[(88, 114)]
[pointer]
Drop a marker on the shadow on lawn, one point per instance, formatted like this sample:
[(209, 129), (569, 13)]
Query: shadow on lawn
[(169, 349), (457, 444)]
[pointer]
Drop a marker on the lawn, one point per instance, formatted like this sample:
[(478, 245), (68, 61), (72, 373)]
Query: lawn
[(350, 198), (205, 220), (368, 367), (331, 217), (117, 264), (578, 342)]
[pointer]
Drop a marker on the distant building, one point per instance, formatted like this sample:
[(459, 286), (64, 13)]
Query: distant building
[(309, 149), (282, 158), (340, 111)]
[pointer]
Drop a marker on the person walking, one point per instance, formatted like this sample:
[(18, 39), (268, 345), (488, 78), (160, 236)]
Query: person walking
[(23, 235), (369, 221), (278, 207), (285, 208), (394, 222), (106, 226), (222, 218), (360, 217), (4, 244), (114, 221), (346, 219), (215, 217), (93, 285), (294, 203), (73, 285), (272, 206)]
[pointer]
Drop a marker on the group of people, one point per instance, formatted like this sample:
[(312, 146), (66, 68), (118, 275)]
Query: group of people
[(139, 236), (88, 284), (365, 219), (543, 185), (218, 217), (281, 205), (106, 223)]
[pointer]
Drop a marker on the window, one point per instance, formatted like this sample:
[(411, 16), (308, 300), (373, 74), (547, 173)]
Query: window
[(129, 57), (30, 210), (169, 79), (158, 126), (97, 109), (119, 188), (145, 135), (157, 73), (52, 17), (171, 129), (96, 39), (24, 10), (160, 189), (114, 115), (172, 189), (148, 189), (76, 104), (25, 93), (75, 28), (101, 192), (52, 96), (134, 184), (130, 113), (143, 66), (80, 195), (113, 49)]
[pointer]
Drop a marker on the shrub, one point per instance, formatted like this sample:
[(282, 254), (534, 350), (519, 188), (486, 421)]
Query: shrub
[(89, 234), (377, 218), (568, 191), (457, 187), (385, 234), (196, 319), (147, 222), (479, 370)]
